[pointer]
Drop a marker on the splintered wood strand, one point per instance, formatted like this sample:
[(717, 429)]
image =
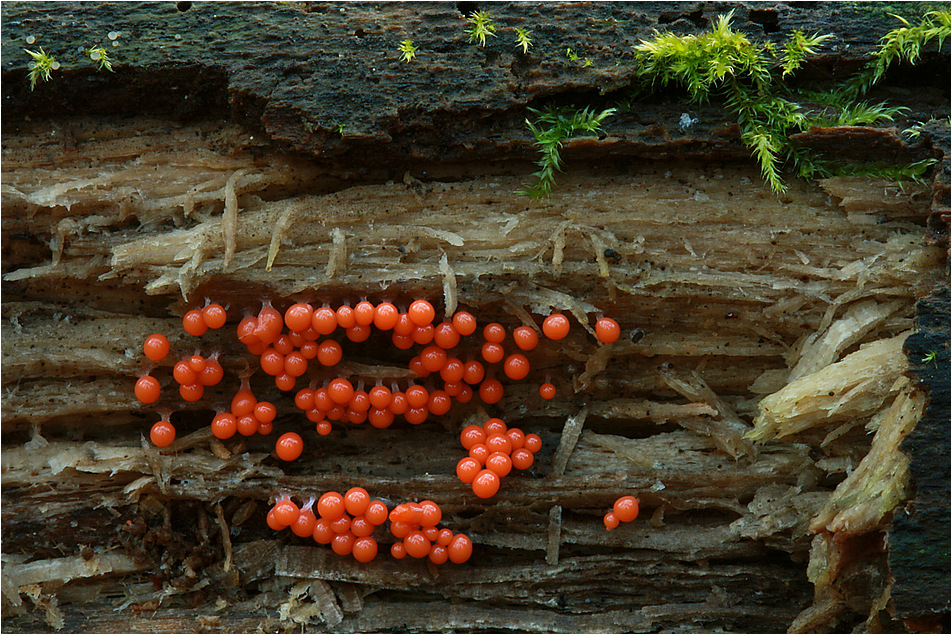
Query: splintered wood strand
[(225, 537), (554, 535), (337, 260), (570, 434), (449, 287), (558, 249), (311, 600), (854, 387), (728, 433), (327, 602), (66, 569), (878, 484), (349, 595), (277, 234), (229, 219), (824, 348)]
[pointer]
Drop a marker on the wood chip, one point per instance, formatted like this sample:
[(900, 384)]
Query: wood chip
[(570, 433), (558, 248), (225, 537), (277, 233), (70, 568), (441, 234), (554, 535), (351, 601), (879, 482), (337, 262), (824, 347), (229, 219), (857, 386), (449, 286), (728, 430)]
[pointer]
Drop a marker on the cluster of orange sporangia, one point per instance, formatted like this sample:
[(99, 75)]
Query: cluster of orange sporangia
[(415, 525), (347, 523), (290, 345), (624, 510), (287, 345), (494, 449)]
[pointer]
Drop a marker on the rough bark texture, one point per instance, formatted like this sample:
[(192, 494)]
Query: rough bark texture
[(919, 536), (756, 403)]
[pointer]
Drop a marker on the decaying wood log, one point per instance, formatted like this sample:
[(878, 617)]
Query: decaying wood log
[(759, 402)]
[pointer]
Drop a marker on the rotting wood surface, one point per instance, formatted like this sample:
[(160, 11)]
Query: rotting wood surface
[(727, 294), (296, 71)]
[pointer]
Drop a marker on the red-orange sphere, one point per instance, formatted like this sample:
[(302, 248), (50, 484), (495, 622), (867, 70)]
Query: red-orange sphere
[(607, 330), (626, 509), (556, 326), (289, 446), (156, 347)]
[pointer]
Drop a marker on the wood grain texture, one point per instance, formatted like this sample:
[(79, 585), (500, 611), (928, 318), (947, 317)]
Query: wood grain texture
[(125, 204)]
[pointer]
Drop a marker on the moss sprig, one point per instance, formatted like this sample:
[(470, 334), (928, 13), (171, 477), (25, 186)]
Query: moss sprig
[(797, 48), (725, 63), (100, 55), (522, 40), (857, 114), (700, 63), (808, 167), (41, 67), (552, 126), (480, 26), (407, 50)]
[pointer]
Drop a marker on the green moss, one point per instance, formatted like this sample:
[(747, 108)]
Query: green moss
[(748, 78), (522, 40), (551, 127), (100, 55), (821, 169), (480, 26), (42, 65), (901, 44), (725, 63), (407, 50)]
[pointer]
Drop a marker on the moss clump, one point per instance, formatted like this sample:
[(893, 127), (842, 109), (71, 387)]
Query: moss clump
[(726, 63), (749, 78)]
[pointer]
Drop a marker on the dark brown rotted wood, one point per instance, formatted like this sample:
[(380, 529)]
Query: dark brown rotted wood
[(297, 71), (919, 548), (938, 137)]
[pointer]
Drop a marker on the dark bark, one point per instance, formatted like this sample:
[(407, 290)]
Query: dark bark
[(919, 548), (294, 71)]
